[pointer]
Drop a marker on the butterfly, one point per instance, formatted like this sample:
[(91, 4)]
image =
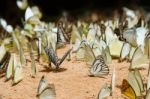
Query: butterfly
[(17, 71), (138, 58), (125, 51), (5, 26), (127, 90), (135, 80), (53, 56), (46, 91), (4, 59), (107, 89), (22, 4), (9, 71), (147, 94), (99, 67), (104, 91)]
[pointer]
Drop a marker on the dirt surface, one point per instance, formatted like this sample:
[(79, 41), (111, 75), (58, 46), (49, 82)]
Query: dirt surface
[(72, 82)]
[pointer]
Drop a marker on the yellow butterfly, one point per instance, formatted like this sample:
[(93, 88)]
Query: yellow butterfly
[(127, 90), (138, 58)]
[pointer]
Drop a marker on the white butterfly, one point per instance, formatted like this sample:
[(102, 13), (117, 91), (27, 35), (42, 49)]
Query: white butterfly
[(28, 14), (22, 4)]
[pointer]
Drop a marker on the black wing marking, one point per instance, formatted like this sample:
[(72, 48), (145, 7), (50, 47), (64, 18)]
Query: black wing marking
[(99, 67), (4, 62), (54, 58)]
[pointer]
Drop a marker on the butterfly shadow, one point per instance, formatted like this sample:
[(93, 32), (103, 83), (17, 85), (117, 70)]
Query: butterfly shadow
[(47, 69)]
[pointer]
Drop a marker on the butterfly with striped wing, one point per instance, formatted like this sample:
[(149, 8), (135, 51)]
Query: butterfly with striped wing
[(54, 58), (99, 67)]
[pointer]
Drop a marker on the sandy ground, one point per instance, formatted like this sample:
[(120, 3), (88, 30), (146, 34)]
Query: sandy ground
[(72, 82)]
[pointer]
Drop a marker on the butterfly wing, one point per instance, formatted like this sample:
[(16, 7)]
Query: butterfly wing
[(127, 90), (99, 67), (131, 52), (147, 94), (104, 92), (115, 47), (17, 74), (42, 85), (52, 55), (125, 51), (106, 55), (89, 55), (138, 59), (134, 83), (81, 51), (9, 72), (64, 56), (22, 4), (130, 36), (139, 80), (48, 92)]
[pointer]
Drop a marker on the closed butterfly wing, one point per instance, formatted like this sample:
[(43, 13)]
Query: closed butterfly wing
[(76, 45), (110, 36), (48, 92), (9, 71), (115, 48), (18, 76), (148, 82), (3, 52), (104, 92), (131, 52), (75, 34), (99, 67), (28, 14), (138, 59), (134, 83), (89, 55), (147, 94), (139, 80), (130, 36), (127, 90), (125, 51), (42, 86), (22, 4), (106, 55), (81, 52), (91, 33)]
